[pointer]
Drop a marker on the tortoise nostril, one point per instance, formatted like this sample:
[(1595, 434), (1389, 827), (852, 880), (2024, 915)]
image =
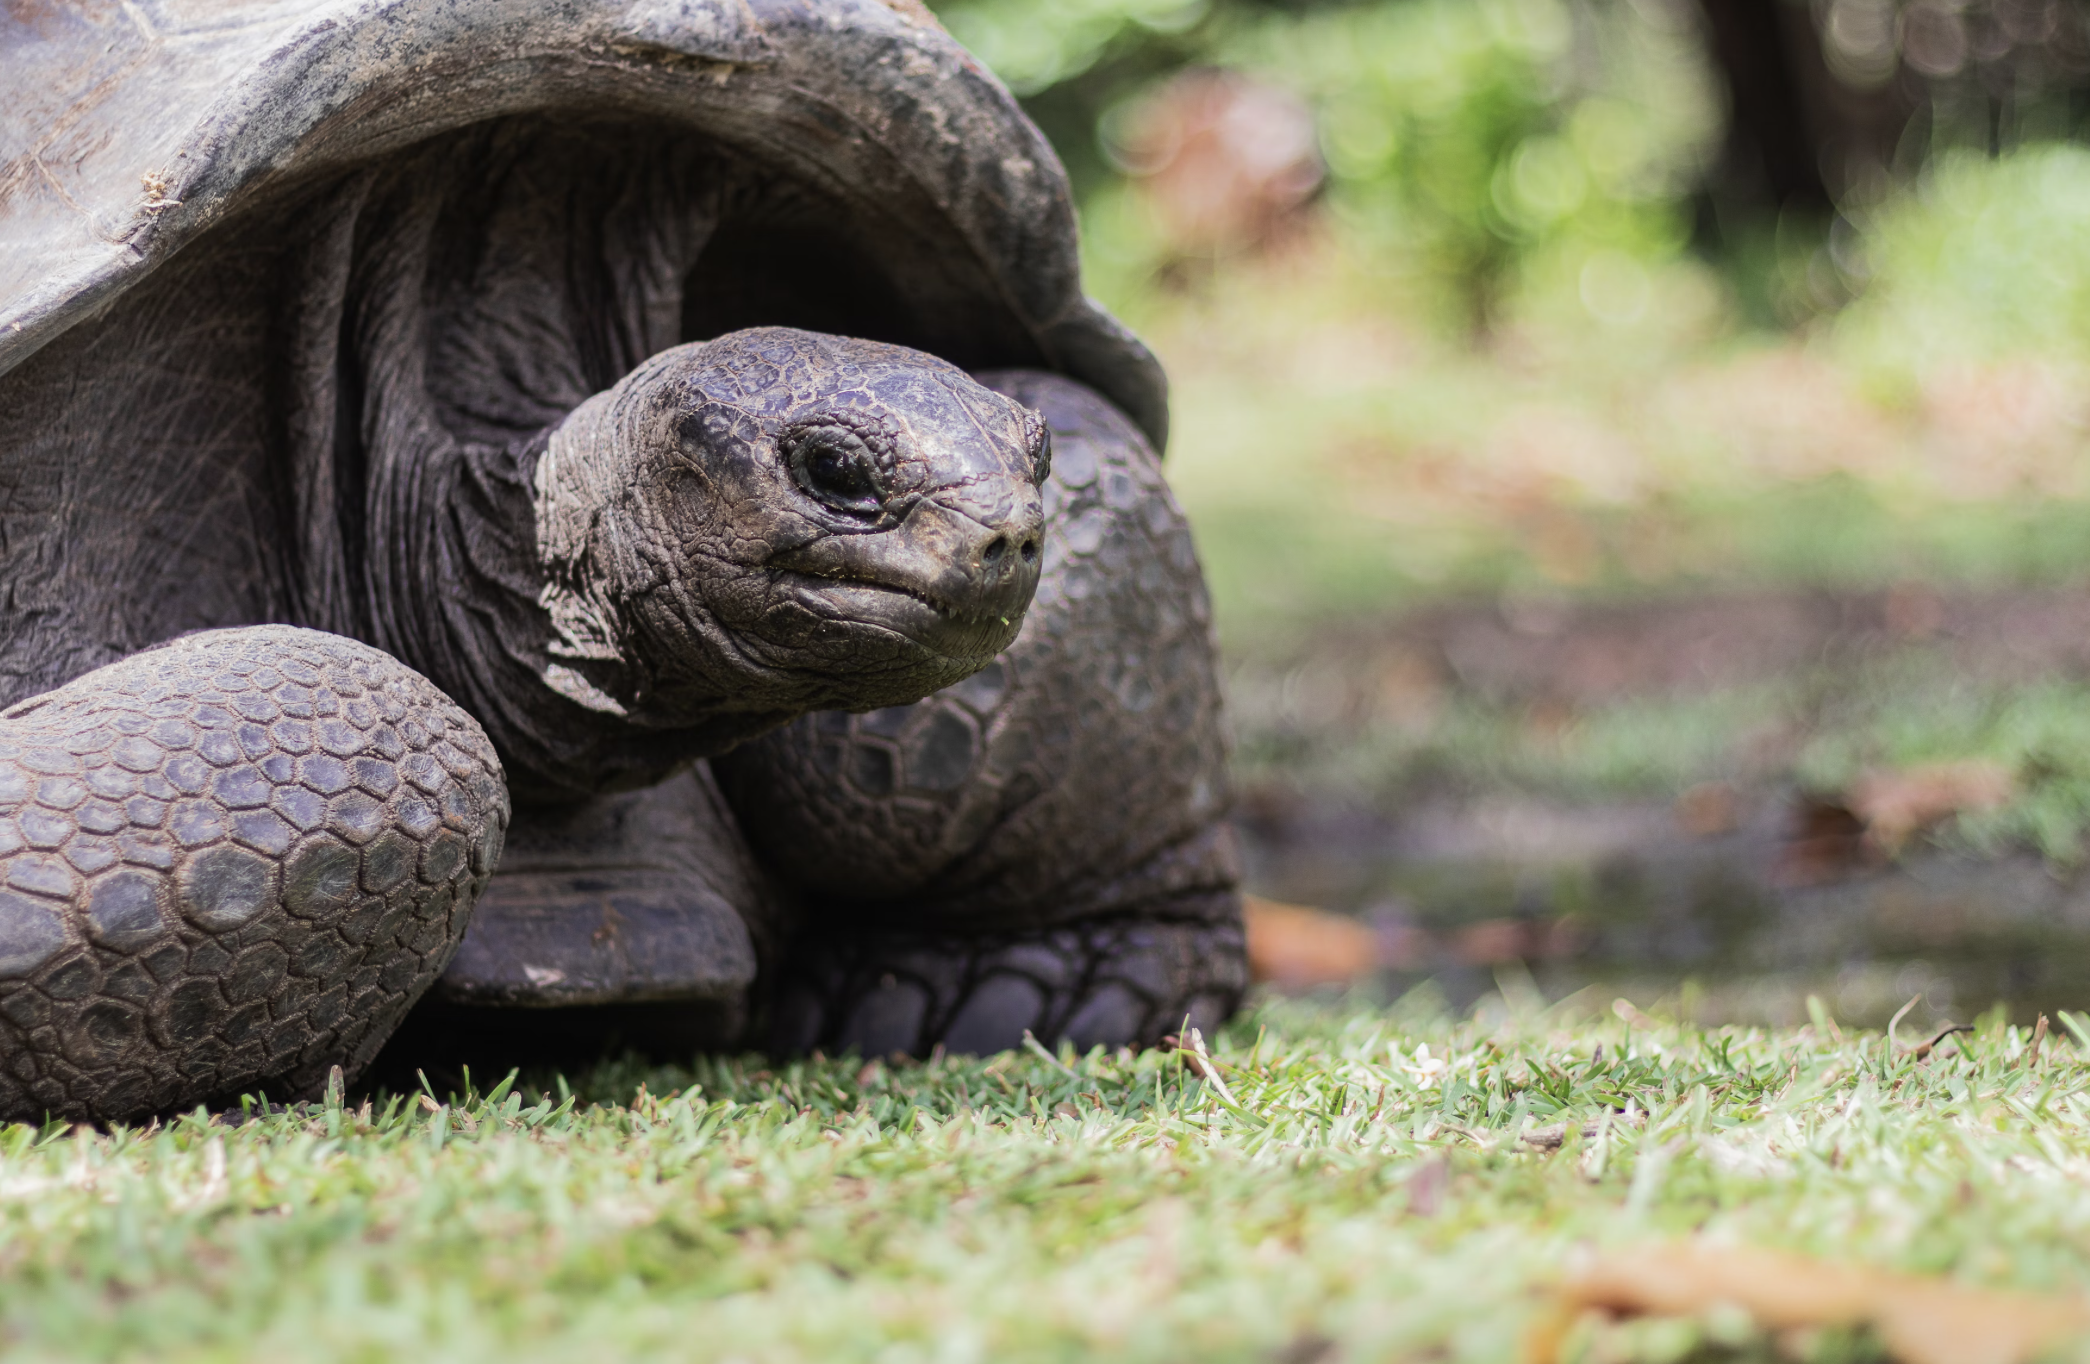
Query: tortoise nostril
[(1029, 551), (996, 547)]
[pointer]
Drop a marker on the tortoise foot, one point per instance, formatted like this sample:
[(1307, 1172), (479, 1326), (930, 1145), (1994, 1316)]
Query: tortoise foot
[(1107, 982), (230, 862)]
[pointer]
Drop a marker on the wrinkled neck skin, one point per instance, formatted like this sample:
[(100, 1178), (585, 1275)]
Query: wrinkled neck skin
[(619, 552), (625, 528), (532, 633)]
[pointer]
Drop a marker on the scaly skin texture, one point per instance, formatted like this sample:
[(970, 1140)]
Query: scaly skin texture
[(335, 411), (237, 858), (1041, 846), (1103, 982), (395, 346), (737, 531)]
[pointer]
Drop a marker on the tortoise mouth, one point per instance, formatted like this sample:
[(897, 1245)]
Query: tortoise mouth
[(939, 627)]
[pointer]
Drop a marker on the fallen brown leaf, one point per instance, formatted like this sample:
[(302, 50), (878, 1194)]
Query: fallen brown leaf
[(1427, 1187), (1554, 1135), (1224, 162), (1920, 1050), (1894, 805), (1493, 942), (1827, 843), (1708, 809), (1920, 1319), (1626, 1010), (1913, 611), (1294, 946)]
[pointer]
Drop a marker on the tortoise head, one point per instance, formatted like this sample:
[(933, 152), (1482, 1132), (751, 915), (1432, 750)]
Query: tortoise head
[(778, 521)]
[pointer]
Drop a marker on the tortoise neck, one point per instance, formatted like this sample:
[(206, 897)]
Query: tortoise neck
[(470, 613), (511, 630)]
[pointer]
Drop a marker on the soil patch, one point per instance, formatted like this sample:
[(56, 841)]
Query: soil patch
[(1746, 884)]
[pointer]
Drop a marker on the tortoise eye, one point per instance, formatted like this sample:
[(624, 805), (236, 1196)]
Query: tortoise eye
[(834, 467)]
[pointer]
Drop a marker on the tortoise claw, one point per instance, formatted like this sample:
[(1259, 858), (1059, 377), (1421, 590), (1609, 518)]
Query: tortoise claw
[(1108, 982)]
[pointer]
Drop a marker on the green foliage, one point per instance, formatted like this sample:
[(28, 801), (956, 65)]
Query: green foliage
[(1439, 122), (1465, 138), (1364, 1186), (1483, 151), (1985, 260), (1072, 63), (1034, 45)]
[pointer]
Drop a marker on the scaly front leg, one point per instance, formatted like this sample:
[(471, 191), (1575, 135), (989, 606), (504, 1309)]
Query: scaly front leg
[(231, 861)]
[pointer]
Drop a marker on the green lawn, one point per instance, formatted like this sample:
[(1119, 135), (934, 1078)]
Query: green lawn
[(1346, 1199)]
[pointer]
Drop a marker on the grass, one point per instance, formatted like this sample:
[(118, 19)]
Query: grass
[(1348, 1197)]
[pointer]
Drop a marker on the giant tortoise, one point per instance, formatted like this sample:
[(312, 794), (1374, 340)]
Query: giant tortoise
[(536, 511)]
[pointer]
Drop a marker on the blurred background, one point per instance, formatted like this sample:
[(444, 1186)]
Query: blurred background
[(1637, 447)]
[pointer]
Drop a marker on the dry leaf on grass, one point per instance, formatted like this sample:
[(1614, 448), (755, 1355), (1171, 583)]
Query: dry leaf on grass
[(1922, 1050), (1894, 805), (1631, 1015), (1920, 1320), (1553, 1136), (1708, 810), (1294, 946), (1427, 1187), (1826, 843)]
